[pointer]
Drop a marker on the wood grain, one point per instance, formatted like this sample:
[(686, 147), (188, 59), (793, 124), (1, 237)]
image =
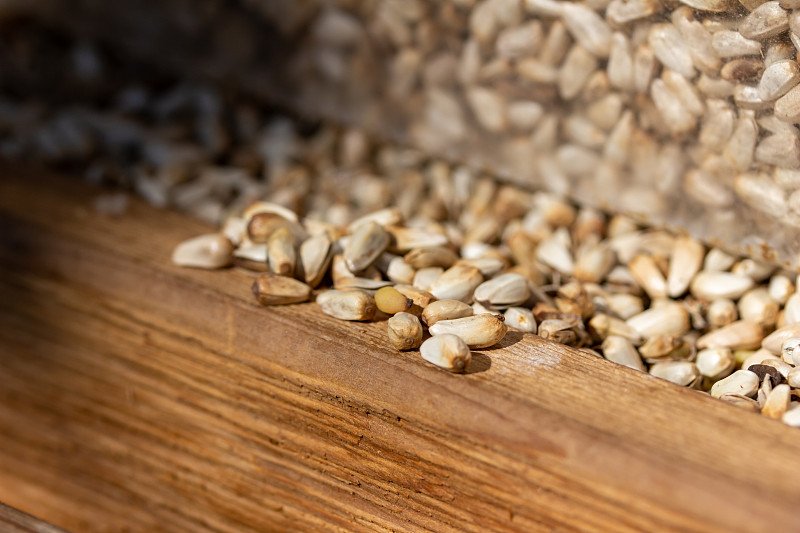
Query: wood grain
[(139, 396), (14, 521)]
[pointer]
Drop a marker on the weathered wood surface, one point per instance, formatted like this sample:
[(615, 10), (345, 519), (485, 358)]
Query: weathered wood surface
[(138, 396), (14, 521)]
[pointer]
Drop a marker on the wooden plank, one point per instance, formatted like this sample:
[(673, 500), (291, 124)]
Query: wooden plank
[(14, 521), (137, 395)]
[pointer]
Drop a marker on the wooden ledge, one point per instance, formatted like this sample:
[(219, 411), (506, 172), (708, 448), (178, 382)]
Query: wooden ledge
[(141, 396)]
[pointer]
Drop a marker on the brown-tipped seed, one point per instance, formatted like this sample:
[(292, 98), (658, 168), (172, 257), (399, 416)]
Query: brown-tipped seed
[(777, 402), (740, 401), (559, 330), (721, 312), (352, 304), (683, 373), (503, 291), (391, 301), (445, 310), (742, 382), (621, 351), (715, 363), (648, 276), (594, 263), (711, 285), (315, 255), (431, 256), (660, 346), (478, 331), (213, 250), (685, 262), (774, 341), (405, 331), (406, 239), (421, 298), (457, 283), (365, 245), (447, 351), (606, 325), (281, 254), (668, 319), (261, 226), (739, 335), (272, 289)]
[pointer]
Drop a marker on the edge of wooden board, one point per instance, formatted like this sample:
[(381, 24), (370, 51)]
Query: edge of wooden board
[(291, 417)]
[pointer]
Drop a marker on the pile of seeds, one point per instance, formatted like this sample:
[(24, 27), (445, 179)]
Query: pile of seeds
[(499, 257), (684, 112)]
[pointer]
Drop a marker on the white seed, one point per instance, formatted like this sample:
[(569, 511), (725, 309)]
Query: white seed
[(503, 291), (792, 310), (741, 382), (757, 306), (685, 261), (210, 251), (670, 48), (787, 107), (715, 363), (718, 260), (352, 304), (621, 351), (739, 335), (698, 39), (524, 115), (587, 28), (446, 351), (781, 289), (647, 274), (575, 71), (777, 402), (710, 285), (281, 254), (729, 43), (625, 305), (457, 283), (398, 271), (252, 252), (741, 401), (685, 91), (365, 245), (488, 266), (478, 331), (269, 207), (445, 310), (620, 63), (721, 312), (793, 378), (790, 350), (489, 108), (742, 143), (554, 252), (235, 229), (767, 20), (405, 331), (520, 318), (683, 373), (668, 319), (780, 149), (621, 12), (777, 79), (316, 254), (747, 97), (605, 325), (792, 416), (518, 42), (673, 112), (424, 277)]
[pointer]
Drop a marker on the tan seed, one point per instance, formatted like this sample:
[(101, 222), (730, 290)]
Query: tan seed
[(272, 289), (446, 351), (281, 254), (621, 351), (777, 402), (405, 331), (741, 382), (457, 283), (774, 341), (352, 304), (739, 335), (445, 310), (478, 331), (365, 245), (391, 301), (213, 250)]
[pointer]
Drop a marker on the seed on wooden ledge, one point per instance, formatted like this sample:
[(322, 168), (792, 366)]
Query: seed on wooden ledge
[(715, 363), (503, 291), (520, 318), (405, 331), (281, 254), (712, 285), (261, 225), (739, 335), (391, 301), (741, 382), (668, 319), (445, 310), (792, 415), (559, 330), (767, 20), (209, 251), (272, 289), (478, 331), (446, 351), (420, 298), (621, 351), (683, 373), (790, 351), (740, 401), (457, 283), (316, 254), (663, 347), (350, 304), (777, 402), (774, 341), (365, 245)]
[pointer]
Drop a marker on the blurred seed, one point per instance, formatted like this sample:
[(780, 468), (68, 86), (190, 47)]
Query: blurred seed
[(721, 312), (777, 402), (683, 373), (406, 239), (272, 289), (210, 251), (431, 256), (668, 319), (405, 331), (281, 254), (767, 20), (712, 285), (649, 277), (478, 331), (316, 254), (780, 289), (757, 306), (718, 260), (446, 351), (790, 351), (739, 335), (685, 261), (740, 401), (774, 341), (351, 304), (424, 277)]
